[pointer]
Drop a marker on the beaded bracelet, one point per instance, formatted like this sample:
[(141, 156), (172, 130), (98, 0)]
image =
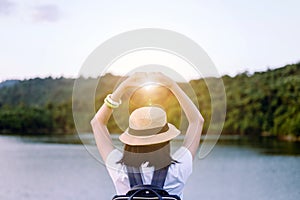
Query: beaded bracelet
[(111, 103)]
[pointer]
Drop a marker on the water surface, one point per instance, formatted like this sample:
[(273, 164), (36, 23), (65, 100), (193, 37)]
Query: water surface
[(236, 170)]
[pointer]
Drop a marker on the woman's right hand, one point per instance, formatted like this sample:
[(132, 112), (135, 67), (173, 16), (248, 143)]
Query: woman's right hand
[(162, 79), (133, 81)]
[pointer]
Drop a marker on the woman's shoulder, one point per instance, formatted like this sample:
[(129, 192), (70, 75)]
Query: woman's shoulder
[(113, 157), (183, 154), (112, 161), (183, 166), (115, 169)]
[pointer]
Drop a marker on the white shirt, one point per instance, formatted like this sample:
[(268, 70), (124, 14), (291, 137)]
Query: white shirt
[(177, 176)]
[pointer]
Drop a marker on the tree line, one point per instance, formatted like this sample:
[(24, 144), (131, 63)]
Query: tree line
[(263, 103)]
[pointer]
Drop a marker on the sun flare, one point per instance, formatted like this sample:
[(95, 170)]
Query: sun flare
[(156, 95)]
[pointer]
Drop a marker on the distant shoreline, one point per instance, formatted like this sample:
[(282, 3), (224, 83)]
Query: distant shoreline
[(88, 138)]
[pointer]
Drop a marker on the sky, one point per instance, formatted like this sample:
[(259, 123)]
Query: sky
[(40, 38)]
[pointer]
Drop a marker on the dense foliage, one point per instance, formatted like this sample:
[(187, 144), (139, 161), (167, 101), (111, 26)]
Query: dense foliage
[(37, 106), (266, 103), (263, 103)]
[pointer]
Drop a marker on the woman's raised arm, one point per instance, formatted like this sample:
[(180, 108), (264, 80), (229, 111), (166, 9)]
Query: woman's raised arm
[(100, 120), (195, 119)]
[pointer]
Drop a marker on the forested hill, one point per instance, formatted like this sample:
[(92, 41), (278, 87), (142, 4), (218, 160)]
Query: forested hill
[(36, 92), (261, 103), (266, 102)]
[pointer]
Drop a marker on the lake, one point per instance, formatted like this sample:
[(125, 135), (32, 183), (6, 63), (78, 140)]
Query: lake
[(248, 169)]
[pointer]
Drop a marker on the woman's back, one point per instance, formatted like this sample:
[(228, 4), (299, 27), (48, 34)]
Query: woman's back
[(176, 178)]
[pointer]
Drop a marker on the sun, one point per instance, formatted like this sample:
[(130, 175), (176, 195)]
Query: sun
[(156, 95)]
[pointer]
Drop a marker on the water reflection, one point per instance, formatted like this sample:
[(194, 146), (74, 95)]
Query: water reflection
[(269, 146)]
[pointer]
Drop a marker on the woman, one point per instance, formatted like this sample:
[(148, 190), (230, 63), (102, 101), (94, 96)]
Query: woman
[(147, 138)]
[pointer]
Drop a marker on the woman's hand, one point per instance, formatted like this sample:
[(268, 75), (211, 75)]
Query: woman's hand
[(133, 81), (162, 79)]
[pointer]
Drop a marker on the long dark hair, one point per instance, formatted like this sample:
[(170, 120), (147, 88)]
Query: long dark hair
[(158, 155)]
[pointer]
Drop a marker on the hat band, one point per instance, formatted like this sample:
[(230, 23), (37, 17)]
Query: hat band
[(148, 132)]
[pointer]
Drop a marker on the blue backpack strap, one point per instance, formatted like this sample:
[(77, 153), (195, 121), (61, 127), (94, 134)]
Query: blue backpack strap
[(159, 177), (134, 176)]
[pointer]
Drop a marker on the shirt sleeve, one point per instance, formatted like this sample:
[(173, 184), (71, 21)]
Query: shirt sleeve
[(111, 162), (117, 171), (185, 163)]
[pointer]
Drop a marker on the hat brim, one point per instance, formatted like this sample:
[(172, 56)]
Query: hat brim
[(129, 139)]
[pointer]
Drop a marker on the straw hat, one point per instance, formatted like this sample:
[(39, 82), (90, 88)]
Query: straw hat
[(148, 125)]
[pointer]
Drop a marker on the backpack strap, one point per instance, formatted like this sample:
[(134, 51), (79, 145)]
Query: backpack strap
[(134, 176), (158, 179)]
